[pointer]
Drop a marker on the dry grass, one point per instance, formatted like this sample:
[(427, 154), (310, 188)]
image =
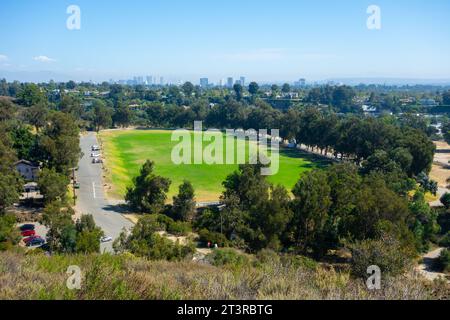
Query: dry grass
[(440, 171), (126, 277)]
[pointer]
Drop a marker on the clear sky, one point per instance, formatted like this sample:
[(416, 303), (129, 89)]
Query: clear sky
[(262, 40)]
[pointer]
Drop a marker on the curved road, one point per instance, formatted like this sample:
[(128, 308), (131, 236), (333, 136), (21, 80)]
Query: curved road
[(91, 196)]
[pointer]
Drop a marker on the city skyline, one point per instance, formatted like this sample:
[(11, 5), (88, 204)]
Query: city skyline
[(187, 41)]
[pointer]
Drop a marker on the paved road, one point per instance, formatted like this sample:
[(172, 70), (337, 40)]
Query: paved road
[(91, 196)]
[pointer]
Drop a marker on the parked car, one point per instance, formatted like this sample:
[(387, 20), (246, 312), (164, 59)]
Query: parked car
[(97, 160), (36, 242), (28, 233), (76, 185), (95, 155), (106, 239), (29, 239), (27, 227), (95, 148)]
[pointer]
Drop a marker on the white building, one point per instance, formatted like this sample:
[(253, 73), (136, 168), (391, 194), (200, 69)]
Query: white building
[(27, 169)]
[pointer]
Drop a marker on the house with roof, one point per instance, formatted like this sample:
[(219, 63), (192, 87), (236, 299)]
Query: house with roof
[(28, 170)]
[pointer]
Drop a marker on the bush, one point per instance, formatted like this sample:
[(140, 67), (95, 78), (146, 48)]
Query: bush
[(445, 199), (444, 261), (228, 257), (9, 234), (386, 253), (179, 228), (445, 241), (213, 237)]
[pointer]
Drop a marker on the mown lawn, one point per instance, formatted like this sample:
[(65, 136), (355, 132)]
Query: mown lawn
[(127, 150)]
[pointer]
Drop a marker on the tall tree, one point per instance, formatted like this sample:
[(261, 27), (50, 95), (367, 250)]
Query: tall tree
[(184, 203), (148, 194)]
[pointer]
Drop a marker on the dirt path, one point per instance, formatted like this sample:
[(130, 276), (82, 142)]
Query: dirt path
[(426, 268)]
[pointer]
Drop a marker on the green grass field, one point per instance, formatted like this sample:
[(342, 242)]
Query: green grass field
[(127, 150)]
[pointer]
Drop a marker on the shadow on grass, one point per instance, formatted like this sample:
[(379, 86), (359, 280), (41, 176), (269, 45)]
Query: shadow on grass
[(315, 161)]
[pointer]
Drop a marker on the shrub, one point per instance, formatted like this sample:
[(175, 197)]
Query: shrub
[(9, 235), (445, 241), (228, 257), (213, 237), (179, 228), (445, 199), (296, 262), (444, 261), (386, 253)]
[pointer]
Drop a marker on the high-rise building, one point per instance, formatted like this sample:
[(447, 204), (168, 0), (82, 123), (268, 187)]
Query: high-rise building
[(149, 80), (204, 82), (242, 81), (230, 82), (161, 81)]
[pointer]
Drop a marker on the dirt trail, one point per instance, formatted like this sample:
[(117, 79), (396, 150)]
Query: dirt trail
[(426, 269)]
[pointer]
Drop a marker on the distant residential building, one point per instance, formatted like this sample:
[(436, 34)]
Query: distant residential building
[(368, 109), (204, 82), (27, 169), (428, 102), (230, 82)]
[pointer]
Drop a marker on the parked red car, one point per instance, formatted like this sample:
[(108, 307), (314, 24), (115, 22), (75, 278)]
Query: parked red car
[(28, 233)]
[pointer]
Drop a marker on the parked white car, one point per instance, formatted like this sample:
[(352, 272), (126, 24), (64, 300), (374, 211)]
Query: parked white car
[(106, 239)]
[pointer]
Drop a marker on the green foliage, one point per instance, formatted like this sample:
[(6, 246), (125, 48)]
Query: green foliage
[(445, 240), (148, 195), (9, 234), (11, 184), (444, 261), (88, 235), (61, 236), (30, 95), (213, 238), (102, 115), (228, 257), (65, 236), (7, 109), (445, 199), (144, 241), (184, 203), (311, 208), (386, 253), (52, 185), (59, 143)]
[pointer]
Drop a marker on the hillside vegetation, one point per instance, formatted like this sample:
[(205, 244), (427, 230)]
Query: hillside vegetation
[(37, 276)]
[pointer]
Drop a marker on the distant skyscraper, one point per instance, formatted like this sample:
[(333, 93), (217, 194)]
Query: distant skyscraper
[(204, 82), (300, 83), (161, 81), (243, 81), (230, 82), (149, 80)]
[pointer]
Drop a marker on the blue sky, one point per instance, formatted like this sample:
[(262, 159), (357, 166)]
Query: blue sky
[(264, 40)]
